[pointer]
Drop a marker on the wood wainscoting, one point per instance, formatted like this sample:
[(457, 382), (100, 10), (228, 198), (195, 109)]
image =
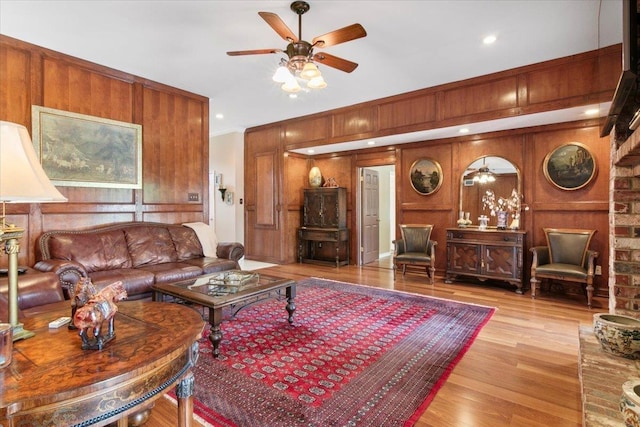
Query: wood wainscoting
[(175, 148)]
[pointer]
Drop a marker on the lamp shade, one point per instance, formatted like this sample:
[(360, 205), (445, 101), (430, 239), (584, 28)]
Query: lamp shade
[(22, 179), (317, 83), (282, 75), (309, 71)]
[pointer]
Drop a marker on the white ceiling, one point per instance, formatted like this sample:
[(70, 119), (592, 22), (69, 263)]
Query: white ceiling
[(410, 45)]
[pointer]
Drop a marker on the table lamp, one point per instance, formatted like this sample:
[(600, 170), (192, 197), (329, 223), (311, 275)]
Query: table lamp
[(22, 180)]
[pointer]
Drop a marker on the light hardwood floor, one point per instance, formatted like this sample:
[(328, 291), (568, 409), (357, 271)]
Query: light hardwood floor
[(522, 370)]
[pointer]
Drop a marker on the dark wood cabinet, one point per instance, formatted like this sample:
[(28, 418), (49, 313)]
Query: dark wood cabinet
[(325, 207), (324, 236), (486, 254)]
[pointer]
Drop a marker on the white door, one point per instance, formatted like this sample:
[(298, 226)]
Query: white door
[(370, 216)]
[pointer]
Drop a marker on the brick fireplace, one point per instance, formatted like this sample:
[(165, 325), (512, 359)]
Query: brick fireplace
[(624, 226)]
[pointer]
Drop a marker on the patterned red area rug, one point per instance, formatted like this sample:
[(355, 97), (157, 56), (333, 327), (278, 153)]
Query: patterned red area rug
[(355, 355)]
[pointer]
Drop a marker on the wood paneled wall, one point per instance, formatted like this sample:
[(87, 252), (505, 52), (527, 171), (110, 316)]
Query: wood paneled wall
[(566, 82), (175, 150)]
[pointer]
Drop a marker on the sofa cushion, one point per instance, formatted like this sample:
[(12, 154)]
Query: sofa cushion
[(150, 245), (95, 251), (186, 243), (172, 271), (136, 281)]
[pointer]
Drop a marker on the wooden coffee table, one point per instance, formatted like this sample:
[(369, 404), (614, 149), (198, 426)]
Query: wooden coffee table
[(52, 381), (211, 293)]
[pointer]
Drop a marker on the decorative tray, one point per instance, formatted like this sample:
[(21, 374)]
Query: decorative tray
[(230, 282)]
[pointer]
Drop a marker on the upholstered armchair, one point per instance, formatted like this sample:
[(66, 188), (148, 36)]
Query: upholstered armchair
[(415, 248), (566, 257)]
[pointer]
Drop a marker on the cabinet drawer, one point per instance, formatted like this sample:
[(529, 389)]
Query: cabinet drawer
[(486, 236), (323, 235)]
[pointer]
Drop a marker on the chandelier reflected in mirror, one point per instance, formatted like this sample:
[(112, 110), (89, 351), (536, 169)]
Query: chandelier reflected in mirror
[(483, 175)]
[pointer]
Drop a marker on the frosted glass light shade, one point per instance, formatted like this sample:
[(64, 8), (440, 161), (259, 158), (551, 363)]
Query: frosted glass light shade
[(22, 179), (282, 75), (291, 86), (309, 71), (317, 83)]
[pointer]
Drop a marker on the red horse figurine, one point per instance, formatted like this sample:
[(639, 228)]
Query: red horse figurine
[(99, 308)]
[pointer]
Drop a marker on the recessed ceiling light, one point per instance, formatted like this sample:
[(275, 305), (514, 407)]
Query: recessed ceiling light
[(489, 39), (293, 95), (219, 116), (464, 130), (592, 112), (311, 151), (371, 143)]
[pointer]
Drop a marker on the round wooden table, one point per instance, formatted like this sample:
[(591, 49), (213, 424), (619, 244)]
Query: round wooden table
[(52, 381)]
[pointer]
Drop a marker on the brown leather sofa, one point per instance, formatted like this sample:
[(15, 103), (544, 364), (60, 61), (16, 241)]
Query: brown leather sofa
[(137, 253)]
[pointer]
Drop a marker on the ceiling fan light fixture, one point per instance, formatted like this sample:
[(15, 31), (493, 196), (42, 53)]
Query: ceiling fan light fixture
[(317, 83), (484, 176), (309, 71)]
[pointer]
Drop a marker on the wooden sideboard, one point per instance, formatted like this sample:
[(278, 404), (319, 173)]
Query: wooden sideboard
[(486, 254)]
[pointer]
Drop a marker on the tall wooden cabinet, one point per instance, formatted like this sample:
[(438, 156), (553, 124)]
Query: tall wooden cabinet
[(324, 236), (486, 254)]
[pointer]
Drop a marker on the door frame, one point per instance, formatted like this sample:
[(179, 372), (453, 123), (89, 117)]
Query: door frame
[(359, 225)]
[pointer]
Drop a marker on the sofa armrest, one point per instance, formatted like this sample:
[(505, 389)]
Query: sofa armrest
[(69, 273), (230, 250)]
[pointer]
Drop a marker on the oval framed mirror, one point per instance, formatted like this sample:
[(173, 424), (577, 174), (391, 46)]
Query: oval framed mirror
[(487, 173)]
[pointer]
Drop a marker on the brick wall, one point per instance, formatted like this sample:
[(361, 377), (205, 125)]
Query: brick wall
[(624, 228)]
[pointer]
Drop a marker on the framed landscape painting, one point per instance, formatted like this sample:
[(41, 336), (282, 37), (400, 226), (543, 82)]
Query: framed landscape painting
[(425, 176), (85, 151), (570, 166)]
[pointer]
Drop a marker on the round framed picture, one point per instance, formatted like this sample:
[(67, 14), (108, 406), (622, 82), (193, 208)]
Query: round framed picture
[(425, 176), (570, 166)]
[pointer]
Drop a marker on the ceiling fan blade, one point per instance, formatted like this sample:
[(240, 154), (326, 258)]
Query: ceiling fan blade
[(335, 62), (253, 52), (279, 26), (352, 32)]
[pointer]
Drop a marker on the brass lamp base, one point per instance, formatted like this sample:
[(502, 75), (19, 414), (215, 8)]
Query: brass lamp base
[(19, 333), (9, 234)]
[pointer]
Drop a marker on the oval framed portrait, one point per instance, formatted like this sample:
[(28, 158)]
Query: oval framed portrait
[(425, 176), (570, 166)]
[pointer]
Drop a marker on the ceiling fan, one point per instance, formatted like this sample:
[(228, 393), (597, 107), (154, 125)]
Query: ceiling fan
[(301, 57), (481, 174)]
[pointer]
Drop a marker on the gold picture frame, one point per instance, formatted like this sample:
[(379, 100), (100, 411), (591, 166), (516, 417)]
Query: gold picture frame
[(570, 166), (425, 176), (78, 150)]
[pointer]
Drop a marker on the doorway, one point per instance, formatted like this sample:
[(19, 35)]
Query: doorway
[(376, 213)]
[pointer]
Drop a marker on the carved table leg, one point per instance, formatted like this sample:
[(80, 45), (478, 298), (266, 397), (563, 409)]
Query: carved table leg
[(291, 305), (184, 393), (215, 336)]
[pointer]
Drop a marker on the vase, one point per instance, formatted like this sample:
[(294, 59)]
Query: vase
[(467, 219), (630, 403), (618, 334), (502, 220), (484, 222), (462, 223), (315, 177)]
